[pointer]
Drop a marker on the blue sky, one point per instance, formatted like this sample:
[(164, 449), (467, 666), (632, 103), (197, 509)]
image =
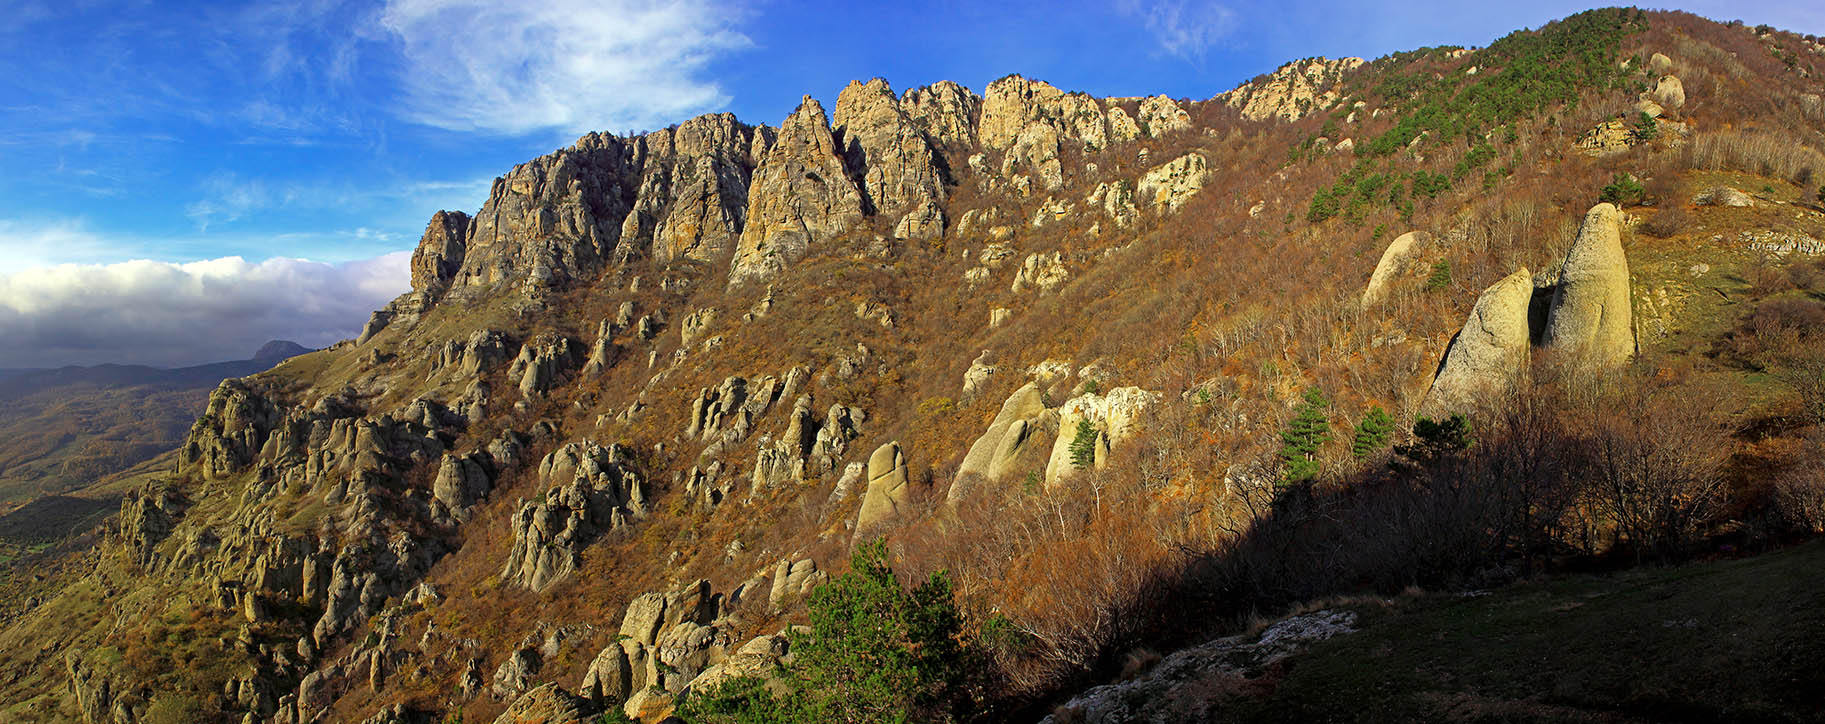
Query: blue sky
[(330, 130)]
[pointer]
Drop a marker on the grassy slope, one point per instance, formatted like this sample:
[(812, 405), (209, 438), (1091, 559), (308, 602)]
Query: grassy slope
[(1733, 640)]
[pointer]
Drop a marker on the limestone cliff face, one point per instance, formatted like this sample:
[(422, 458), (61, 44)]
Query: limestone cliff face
[(552, 218), (1293, 91), (899, 170), (945, 111), (802, 194), (440, 252), (693, 193)]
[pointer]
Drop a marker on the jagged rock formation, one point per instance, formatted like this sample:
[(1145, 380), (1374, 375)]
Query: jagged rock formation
[(1591, 320), (1160, 116), (1488, 355), (1400, 259), (1168, 186), (1293, 91), (440, 252), (1114, 417), (801, 195), (545, 704), (898, 168), (945, 111), (1022, 420), (887, 487), (540, 363), (589, 490)]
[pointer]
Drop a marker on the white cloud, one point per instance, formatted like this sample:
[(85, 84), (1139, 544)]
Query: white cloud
[(567, 65), (168, 314), (1184, 28)]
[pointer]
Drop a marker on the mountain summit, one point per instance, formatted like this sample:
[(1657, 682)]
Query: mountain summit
[(944, 405)]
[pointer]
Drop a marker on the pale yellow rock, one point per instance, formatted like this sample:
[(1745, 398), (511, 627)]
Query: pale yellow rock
[(1167, 187), (1397, 260), (1660, 63), (1293, 91), (1591, 320), (1006, 438), (1488, 354), (1115, 417), (887, 487), (801, 195), (945, 111), (1161, 116), (1670, 92), (901, 177)]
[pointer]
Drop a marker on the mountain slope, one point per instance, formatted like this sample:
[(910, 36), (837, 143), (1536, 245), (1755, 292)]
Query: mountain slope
[(649, 397)]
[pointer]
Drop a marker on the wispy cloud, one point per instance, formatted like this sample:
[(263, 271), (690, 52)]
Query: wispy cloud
[(564, 65), (169, 314), (1184, 28)]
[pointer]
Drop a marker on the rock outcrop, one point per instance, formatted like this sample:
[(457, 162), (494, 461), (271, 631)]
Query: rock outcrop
[(1018, 428), (1113, 417), (1160, 116), (589, 490), (439, 255), (1168, 186), (1293, 91), (801, 195), (945, 111), (1399, 259), (900, 173), (887, 487), (1488, 355), (1669, 92), (1591, 319)]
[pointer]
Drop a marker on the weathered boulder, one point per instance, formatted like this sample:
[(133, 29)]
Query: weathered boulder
[(1014, 430), (1168, 186), (1660, 63), (542, 359), (1117, 200), (981, 370), (590, 489), (695, 325), (1488, 355), (888, 491), (610, 675), (1670, 92), (462, 482), (231, 430), (1398, 260), (1044, 272), (801, 195), (1722, 196), (545, 704), (758, 658), (515, 673), (1113, 417), (1591, 318), (794, 579)]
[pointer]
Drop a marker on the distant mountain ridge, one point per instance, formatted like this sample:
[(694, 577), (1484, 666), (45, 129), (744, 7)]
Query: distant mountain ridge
[(18, 382)]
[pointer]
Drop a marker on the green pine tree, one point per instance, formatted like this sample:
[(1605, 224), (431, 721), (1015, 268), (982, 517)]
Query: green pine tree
[(875, 652), (1372, 433), (1083, 445), (1308, 431)]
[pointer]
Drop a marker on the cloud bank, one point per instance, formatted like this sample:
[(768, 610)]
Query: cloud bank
[(568, 65), (169, 315), (1186, 29)]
